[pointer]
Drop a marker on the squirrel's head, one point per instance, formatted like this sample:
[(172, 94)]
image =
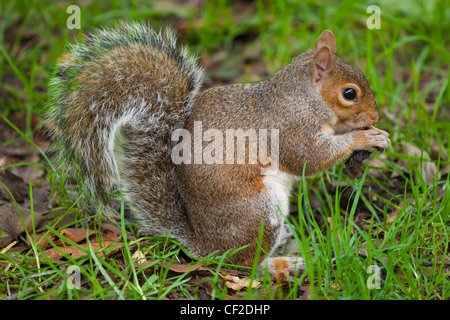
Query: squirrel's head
[(343, 87)]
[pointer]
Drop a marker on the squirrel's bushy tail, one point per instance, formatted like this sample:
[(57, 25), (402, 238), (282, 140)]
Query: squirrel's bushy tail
[(131, 84)]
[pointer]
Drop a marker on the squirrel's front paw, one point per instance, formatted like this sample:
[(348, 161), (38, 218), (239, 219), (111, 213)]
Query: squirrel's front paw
[(372, 140)]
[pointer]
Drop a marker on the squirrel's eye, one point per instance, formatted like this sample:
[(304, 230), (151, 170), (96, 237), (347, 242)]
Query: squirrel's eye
[(349, 93)]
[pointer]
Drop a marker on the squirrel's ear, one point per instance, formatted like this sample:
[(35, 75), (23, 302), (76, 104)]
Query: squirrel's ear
[(321, 65), (326, 39)]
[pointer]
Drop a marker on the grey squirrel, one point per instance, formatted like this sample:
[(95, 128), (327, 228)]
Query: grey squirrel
[(138, 86)]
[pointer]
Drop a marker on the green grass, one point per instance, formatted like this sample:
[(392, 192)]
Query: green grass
[(407, 64)]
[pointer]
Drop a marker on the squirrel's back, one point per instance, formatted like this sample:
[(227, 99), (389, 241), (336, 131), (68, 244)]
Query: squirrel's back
[(133, 85)]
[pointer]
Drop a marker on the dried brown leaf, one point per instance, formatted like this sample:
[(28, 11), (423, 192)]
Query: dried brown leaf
[(75, 252), (429, 169), (235, 283), (182, 268), (306, 292), (75, 235), (138, 256), (41, 240), (179, 268), (15, 184), (11, 224), (391, 216)]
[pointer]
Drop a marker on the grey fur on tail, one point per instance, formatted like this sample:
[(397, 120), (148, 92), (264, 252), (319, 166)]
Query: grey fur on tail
[(136, 82)]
